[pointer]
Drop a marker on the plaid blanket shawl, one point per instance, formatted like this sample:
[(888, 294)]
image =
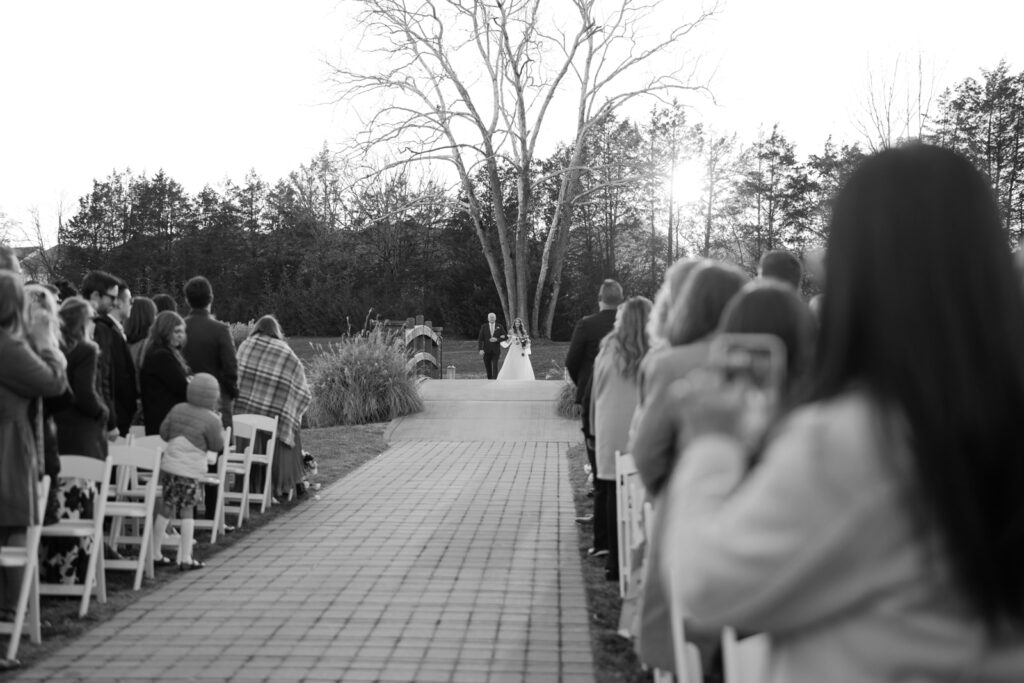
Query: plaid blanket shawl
[(271, 382)]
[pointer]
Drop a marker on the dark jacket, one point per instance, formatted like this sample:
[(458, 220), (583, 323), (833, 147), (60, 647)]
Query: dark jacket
[(586, 342), (483, 340), (164, 384), (122, 376), (81, 425), (209, 348), (24, 376)]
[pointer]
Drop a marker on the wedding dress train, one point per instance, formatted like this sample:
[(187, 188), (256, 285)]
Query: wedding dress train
[(517, 363)]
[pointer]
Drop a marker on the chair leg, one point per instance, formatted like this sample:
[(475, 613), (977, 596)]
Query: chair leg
[(145, 557)]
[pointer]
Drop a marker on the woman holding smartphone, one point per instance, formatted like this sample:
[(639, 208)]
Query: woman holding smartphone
[(881, 536)]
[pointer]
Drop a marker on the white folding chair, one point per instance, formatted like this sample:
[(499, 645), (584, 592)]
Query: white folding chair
[(246, 426), (27, 558), (237, 465), (217, 524), (628, 514), (134, 502), (746, 660), (96, 473)]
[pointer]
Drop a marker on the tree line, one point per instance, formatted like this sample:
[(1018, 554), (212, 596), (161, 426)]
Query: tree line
[(327, 246)]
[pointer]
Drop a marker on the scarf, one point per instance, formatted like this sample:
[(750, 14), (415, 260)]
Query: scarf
[(272, 382)]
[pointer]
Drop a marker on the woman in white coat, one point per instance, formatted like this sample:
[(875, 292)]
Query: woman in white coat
[(879, 535)]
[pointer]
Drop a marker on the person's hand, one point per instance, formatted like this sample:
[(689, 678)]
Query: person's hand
[(481, 352), (112, 435), (711, 405)]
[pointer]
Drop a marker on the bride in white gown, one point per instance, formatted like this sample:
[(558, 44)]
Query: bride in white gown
[(517, 363)]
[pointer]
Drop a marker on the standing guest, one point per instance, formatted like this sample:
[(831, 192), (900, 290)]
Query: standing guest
[(136, 332), (194, 436), (779, 264), (30, 368), (81, 425), (65, 290), (675, 277), (879, 536), (689, 328), (272, 382), (165, 302), (210, 350), (122, 367), (613, 400), (488, 343), (579, 361), (100, 289), (42, 303), (81, 430), (164, 372)]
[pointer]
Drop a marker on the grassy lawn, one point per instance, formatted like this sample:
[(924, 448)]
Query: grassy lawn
[(339, 450), (614, 659), (547, 356)]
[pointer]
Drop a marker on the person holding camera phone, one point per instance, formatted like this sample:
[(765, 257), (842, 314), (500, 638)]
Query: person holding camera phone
[(879, 538)]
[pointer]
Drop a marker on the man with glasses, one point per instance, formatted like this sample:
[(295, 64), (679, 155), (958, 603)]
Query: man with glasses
[(122, 367), (100, 289)]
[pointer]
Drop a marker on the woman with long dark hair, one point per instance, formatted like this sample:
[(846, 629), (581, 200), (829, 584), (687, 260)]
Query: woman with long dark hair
[(164, 374), (881, 535)]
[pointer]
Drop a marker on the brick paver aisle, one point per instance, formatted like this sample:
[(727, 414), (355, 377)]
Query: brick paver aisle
[(449, 560)]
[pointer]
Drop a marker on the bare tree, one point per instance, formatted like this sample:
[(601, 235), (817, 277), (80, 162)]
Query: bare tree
[(896, 107), (474, 83)]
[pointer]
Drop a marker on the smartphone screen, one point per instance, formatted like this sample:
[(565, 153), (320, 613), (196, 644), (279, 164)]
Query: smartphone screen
[(757, 361)]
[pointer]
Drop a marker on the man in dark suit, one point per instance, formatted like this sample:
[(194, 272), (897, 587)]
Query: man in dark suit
[(126, 395), (488, 342), (208, 348), (579, 361), (101, 289)]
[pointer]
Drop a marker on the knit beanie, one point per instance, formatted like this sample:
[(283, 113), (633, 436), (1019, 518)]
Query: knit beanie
[(203, 391)]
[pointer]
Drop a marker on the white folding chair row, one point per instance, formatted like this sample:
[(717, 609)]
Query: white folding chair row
[(27, 559), (97, 473), (134, 502)]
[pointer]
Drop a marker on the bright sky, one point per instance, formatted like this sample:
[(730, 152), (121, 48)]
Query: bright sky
[(207, 90)]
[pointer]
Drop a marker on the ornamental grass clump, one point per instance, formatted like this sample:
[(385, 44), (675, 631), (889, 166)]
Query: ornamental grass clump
[(567, 405), (241, 331), (361, 379)]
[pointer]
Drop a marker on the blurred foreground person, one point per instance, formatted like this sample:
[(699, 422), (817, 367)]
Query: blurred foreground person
[(880, 536), (31, 367)]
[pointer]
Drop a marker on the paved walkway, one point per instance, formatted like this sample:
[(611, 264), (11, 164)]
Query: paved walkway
[(450, 557)]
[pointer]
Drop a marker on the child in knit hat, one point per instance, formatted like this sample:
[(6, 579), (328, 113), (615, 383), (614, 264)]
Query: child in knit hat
[(194, 436)]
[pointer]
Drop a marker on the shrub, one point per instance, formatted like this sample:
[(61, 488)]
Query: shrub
[(567, 406), (361, 379), (241, 331)]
